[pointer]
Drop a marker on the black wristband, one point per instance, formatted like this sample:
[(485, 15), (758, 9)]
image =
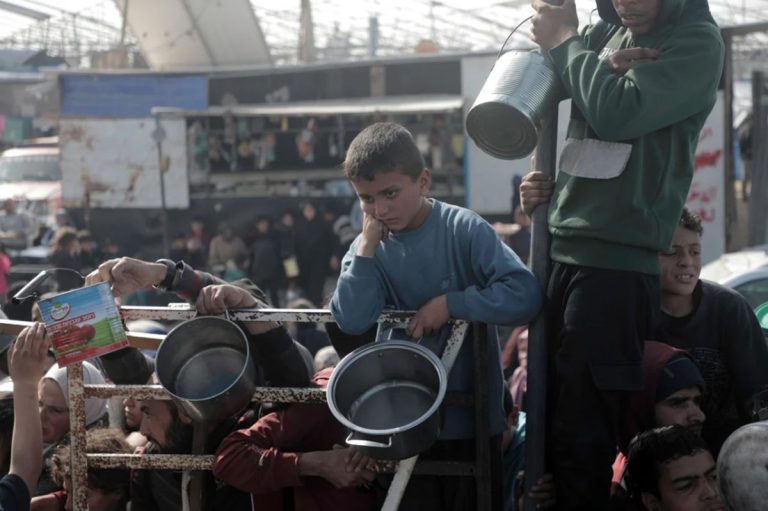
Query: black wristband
[(170, 275)]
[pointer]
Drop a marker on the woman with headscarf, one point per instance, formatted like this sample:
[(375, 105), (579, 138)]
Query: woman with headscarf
[(54, 415)]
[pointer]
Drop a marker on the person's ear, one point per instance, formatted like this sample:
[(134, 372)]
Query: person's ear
[(425, 181), (183, 417), (650, 501)]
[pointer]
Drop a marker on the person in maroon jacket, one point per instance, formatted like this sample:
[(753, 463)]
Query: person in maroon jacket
[(292, 459)]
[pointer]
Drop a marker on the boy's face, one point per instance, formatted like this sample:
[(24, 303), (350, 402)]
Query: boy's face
[(637, 15), (681, 408), (688, 483), (681, 264), (394, 199)]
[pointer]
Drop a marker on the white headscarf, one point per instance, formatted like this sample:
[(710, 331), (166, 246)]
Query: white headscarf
[(94, 408)]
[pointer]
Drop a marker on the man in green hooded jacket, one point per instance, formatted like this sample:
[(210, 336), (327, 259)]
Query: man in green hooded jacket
[(642, 80)]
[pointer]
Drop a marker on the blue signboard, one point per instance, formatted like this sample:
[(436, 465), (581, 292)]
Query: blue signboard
[(126, 96)]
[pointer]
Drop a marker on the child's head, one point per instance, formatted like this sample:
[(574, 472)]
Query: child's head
[(383, 147), (387, 172)]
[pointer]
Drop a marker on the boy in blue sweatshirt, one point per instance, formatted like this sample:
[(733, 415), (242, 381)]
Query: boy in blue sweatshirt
[(440, 260)]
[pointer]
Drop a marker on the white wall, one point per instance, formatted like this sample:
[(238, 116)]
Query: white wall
[(118, 159)]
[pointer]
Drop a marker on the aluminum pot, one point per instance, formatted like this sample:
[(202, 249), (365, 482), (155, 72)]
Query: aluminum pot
[(742, 468), (205, 365), (388, 394), (520, 93)]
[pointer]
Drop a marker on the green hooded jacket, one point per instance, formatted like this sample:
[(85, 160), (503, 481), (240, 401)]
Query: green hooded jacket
[(626, 170)]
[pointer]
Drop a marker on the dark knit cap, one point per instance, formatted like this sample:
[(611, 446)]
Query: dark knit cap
[(678, 373)]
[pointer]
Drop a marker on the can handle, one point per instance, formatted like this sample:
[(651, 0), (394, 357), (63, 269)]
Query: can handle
[(360, 442)]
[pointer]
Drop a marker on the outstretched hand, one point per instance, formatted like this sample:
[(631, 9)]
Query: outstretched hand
[(28, 356), (220, 298), (127, 275)]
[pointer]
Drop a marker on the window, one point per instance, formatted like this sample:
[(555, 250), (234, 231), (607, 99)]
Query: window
[(755, 291)]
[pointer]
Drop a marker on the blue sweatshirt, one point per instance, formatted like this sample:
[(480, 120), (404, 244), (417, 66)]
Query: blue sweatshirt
[(457, 253)]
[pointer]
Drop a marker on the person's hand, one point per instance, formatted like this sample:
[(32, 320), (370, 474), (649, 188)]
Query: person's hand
[(127, 275), (429, 318), (374, 232), (332, 466), (553, 24), (357, 461), (222, 297), (535, 189), (28, 356), (625, 59), (542, 493)]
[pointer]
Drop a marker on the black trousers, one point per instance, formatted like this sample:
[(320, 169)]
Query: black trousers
[(453, 493), (598, 320)]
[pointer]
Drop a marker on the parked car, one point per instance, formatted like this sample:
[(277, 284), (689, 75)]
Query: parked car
[(745, 271), (31, 174)]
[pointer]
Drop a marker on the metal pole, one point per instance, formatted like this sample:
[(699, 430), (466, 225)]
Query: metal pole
[(731, 212), (158, 135), (483, 475), (536, 398), (758, 195)]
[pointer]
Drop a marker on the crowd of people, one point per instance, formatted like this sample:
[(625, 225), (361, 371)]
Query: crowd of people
[(650, 369)]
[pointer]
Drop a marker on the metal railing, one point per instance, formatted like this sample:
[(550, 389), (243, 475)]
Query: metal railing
[(78, 392)]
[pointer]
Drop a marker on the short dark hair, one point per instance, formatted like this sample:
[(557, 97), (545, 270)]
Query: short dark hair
[(345, 343), (653, 448), (101, 441), (691, 222), (383, 147)]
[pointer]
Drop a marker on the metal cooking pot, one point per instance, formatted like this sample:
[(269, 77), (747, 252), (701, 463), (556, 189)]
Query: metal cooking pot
[(388, 394), (519, 94), (742, 468), (205, 365)]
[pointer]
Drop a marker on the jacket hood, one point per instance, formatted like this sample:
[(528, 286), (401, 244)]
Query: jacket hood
[(671, 10), (642, 415)]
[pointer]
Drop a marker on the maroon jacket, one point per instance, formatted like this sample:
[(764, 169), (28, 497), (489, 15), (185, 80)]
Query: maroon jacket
[(264, 459)]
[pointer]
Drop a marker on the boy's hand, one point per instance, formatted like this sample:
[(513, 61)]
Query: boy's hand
[(374, 232), (554, 24), (357, 461), (429, 318), (127, 275), (535, 189), (28, 356), (222, 297), (331, 466), (625, 59)]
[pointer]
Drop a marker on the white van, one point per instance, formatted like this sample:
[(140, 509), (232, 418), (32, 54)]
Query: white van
[(32, 175)]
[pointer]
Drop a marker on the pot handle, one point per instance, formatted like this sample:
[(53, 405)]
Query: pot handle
[(360, 442)]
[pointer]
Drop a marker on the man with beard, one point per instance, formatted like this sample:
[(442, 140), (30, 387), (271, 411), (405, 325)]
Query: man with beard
[(279, 360)]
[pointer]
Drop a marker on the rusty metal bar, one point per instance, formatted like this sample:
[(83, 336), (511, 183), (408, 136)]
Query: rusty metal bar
[(205, 462), (176, 312), (136, 339), (152, 461), (78, 464), (78, 391)]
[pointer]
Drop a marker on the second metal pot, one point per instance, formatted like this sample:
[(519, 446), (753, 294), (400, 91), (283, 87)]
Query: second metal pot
[(388, 394), (205, 365)]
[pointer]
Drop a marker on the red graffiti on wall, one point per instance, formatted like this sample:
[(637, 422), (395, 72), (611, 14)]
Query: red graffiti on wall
[(707, 159)]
